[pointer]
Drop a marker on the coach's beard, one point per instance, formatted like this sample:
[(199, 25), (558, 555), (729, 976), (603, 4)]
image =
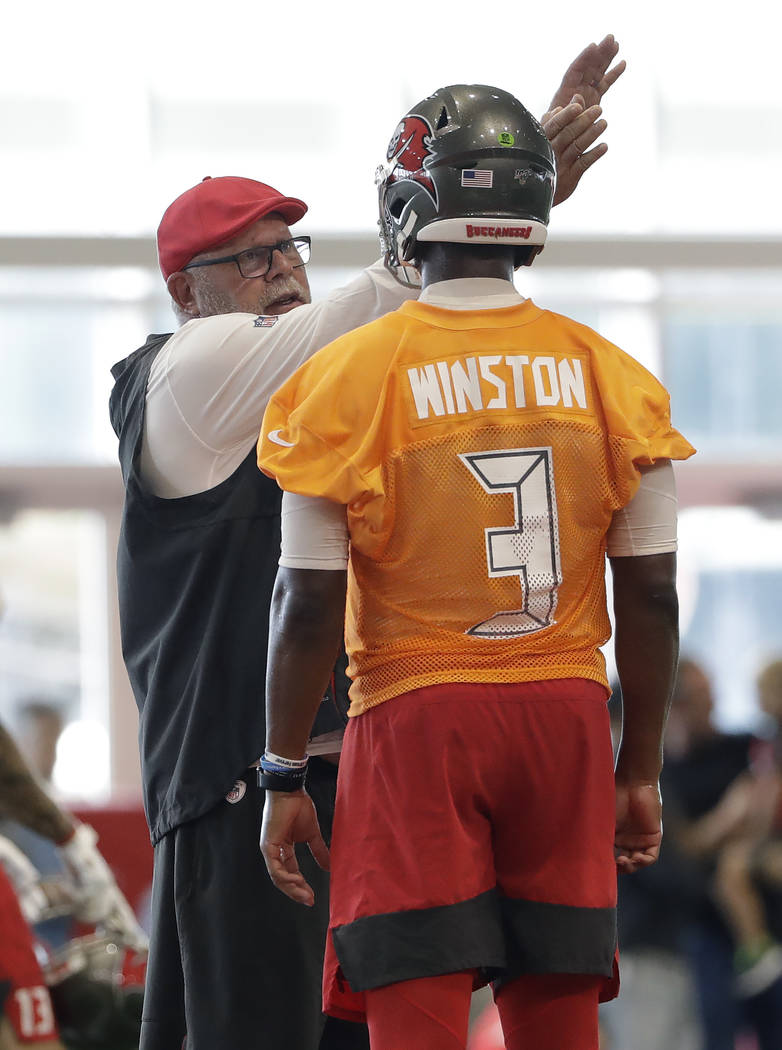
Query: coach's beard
[(283, 294), (277, 297)]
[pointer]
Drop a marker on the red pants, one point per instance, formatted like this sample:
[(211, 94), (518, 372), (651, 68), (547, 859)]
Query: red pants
[(474, 831), (551, 1011)]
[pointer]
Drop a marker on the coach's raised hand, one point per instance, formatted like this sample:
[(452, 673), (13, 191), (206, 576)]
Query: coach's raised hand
[(573, 121), (588, 75)]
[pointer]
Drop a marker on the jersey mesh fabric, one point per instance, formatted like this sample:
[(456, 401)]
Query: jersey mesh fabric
[(482, 455), (417, 604)]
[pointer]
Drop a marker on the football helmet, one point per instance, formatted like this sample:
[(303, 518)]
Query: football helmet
[(469, 165)]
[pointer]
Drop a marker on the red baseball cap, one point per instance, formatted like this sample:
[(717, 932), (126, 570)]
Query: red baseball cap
[(213, 212)]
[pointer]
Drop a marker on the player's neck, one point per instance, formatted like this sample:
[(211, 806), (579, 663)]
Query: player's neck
[(448, 262)]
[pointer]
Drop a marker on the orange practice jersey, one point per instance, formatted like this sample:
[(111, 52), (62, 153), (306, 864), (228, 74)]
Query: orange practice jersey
[(481, 456)]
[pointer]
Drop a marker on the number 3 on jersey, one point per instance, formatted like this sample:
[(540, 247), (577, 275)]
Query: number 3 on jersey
[(530, 549)]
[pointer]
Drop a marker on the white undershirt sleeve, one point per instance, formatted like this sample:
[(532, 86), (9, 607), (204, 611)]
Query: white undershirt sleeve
[(210, 384), (314, 533), (647, 525)]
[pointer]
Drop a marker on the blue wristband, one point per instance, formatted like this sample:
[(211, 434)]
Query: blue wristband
[(283, 768)]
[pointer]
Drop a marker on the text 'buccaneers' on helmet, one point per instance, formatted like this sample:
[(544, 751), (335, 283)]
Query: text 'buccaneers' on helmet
[(467, 165)]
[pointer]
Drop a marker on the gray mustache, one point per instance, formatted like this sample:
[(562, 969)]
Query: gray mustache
[(281, 288)]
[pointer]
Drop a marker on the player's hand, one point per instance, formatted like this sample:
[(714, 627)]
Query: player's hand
[(588, 75), (639, 828), (288, 818), (571, 131)]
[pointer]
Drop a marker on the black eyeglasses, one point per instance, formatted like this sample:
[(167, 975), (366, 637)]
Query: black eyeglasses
[(256, 262)]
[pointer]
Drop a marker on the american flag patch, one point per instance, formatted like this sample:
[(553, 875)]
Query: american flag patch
[(266, 321), (478, 177)]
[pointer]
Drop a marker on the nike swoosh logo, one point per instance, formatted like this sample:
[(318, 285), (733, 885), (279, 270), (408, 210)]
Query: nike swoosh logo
[(274, 435)]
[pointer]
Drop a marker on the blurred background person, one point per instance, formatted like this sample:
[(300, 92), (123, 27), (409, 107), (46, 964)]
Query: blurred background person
[(702, 768), (39, 724), (43, 983), (748, 868), (656, 1008)]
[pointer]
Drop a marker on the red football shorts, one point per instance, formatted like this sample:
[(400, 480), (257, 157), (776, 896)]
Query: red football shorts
[(474, 830)]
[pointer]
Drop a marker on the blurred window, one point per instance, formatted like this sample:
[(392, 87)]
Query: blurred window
[(725, 378), (54, 634), (730, 593), (61, 329)]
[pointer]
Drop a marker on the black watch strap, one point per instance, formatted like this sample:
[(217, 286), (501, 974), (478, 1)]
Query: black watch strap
[(281, 781)]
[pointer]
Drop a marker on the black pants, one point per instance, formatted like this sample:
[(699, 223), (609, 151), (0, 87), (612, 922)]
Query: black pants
[(233, 962)]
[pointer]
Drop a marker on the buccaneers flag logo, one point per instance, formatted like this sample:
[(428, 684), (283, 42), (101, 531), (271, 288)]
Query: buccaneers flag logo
[(408, 151)]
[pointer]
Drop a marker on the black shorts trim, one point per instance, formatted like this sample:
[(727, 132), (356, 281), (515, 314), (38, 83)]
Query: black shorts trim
[(5, 991), (558, 938), (499, 937), (382, 949)]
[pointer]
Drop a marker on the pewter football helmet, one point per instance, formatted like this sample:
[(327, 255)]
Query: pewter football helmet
[(467, 165)]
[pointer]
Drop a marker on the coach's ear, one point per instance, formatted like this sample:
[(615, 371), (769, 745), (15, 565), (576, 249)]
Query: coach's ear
[(181, 288)]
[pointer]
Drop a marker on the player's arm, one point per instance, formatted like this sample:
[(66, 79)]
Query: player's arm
[(306, 628), (573, 121), (307, 623), (646, 649), (22, 799), (641, 545)]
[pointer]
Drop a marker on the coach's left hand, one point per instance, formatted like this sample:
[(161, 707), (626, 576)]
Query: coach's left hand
[(288, 818)]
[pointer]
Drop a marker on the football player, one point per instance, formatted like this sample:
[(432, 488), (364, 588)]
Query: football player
[(459, 469)]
